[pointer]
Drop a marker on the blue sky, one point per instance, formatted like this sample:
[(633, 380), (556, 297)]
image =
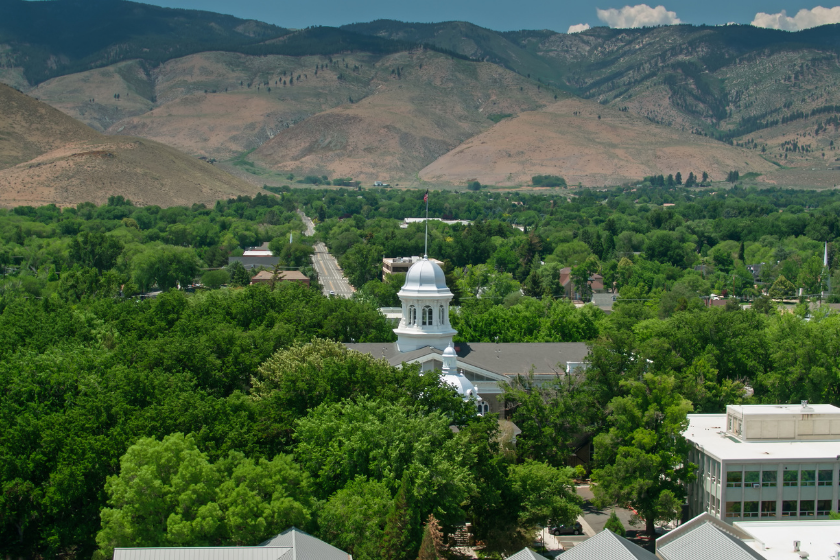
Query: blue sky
[(505, 15)]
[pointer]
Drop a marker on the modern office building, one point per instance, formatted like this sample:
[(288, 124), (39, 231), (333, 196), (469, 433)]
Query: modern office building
[(766, 462)]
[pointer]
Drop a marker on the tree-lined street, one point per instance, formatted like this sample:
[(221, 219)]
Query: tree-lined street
[(330, 274)]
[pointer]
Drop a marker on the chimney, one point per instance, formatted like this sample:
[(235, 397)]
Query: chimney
[(796, 546)]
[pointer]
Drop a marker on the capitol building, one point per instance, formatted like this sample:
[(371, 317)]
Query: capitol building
[(478, 371)]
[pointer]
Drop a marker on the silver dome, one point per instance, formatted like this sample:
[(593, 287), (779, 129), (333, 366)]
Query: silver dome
[(424, 277)]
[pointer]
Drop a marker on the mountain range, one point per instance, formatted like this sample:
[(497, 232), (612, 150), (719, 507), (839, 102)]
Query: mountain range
[(436, 104)]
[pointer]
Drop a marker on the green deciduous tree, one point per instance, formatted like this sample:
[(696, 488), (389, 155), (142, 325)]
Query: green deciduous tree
[(362, 263), (353, 519), (214, 279), (643, 457), (95, 250), (168, 494), (165, 266)]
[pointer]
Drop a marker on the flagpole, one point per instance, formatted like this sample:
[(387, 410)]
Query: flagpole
[(426, 250)]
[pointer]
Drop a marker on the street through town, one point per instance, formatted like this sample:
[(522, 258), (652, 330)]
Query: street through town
[(330, 274)]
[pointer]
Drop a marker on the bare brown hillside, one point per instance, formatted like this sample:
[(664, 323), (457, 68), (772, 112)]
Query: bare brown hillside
[(405, 123), (47, 157), (220, 104), (589, 144)]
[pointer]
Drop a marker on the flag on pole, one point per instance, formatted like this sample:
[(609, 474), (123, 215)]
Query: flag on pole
[(426, 197)]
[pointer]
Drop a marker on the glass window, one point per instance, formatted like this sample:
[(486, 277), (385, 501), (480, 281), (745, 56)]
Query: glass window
[(806, 508), (751, 478), (791, 478), (768, 479), (823, 507), (733, 509), (734, 479), (750, 509), (809, 478), (826, 478), (789, 508), (768, 509)]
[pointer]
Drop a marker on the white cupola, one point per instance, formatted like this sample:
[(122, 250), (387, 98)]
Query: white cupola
[(425, 309), (457, 380)]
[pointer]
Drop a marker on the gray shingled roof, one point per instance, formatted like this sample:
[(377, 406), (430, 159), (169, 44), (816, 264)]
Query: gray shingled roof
[(526, 554), (207, 553), (706, 542), (305, 546), (504, 358), (606, 545)]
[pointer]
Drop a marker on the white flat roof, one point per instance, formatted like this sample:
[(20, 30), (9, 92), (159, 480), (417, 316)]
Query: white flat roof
[(774, 539), (703, 432), (784, 409), (257, 253)]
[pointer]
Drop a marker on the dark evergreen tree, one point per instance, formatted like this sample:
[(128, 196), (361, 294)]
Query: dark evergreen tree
[(398, 542)]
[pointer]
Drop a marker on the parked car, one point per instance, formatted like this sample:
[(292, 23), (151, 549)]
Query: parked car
[(574, 529)]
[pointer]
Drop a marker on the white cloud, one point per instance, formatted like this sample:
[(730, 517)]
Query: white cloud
[(804, 19), (640, 15), (578, 28)]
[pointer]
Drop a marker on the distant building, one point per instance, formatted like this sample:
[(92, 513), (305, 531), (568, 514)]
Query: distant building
[(265, 277), (401, 264), (765, 462), (596, 284), (255, 262), (755, 270), (408, 221)]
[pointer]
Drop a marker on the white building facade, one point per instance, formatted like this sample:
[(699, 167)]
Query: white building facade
[(766, 462)]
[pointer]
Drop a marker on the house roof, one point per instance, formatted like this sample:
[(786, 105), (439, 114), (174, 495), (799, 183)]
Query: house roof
[(306, 547), (254, 262), (606, 545), (282, 275), (695, 522), (291, 544), (526, 554), (207, 553), (704, 541), (503, 358)]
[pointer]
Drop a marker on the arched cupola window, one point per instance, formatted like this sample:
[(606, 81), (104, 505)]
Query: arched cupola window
[(440, 315), (428, 316), (412, 315)]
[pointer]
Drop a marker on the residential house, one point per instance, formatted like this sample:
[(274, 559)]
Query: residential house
[(596, 284), (266, 277)]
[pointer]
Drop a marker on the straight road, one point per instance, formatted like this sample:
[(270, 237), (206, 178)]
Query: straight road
[(329, 273), (310, 227)]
